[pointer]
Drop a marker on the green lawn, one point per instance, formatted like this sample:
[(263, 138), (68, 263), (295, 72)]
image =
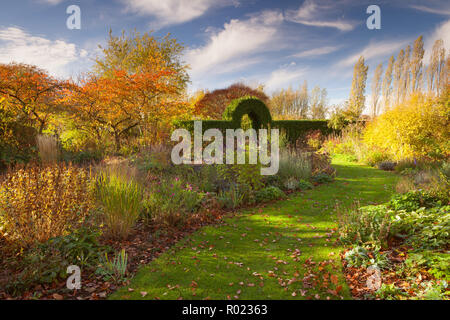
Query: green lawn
[(283, 251)]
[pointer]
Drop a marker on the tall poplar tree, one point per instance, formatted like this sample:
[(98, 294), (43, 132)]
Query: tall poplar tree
[(376, 89), (416, 64), (387, 84), (398, 72), (357, 97), (436, 68)]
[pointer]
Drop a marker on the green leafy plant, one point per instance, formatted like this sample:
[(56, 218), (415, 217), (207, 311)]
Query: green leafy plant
[(431, 290), (389, 292), (291, 183), (171, 201), (304, 185), (114, 268), (47, 262), (424, 228), (436, 263), (366, 256), (414, 200), (321, 178), (370, 224), (268, 194), (231, 198)]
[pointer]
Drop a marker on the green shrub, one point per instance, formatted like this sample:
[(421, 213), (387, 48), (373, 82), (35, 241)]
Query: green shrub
[(120, 197), (48, 261), (445, 170), (268, 194), (431, 290), (231, 198), (82, 157), (290, 184), (295, 129), (370, 224), (389, 292), (366, 256), (436, 263), (247, 176), (171, 201), (113, 269), (424, 228), (304, 185), (414, 200), (321, 178)]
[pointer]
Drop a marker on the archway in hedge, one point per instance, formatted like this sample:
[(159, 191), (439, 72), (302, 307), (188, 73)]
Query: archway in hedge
[(254, 108), (260, 117)]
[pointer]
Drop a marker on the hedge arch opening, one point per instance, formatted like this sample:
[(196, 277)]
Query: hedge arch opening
[(261, 118), (254, 108)]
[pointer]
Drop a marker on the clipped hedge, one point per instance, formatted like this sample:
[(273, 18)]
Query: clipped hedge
[(294, 129), (261, 118), (255, 108)]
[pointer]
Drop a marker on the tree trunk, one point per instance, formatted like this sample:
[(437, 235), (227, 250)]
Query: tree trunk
[(117, 140)]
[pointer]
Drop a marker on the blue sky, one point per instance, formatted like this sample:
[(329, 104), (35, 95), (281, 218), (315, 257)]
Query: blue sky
[(275, 43)]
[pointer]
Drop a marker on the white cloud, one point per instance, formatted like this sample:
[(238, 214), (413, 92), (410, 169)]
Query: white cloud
[(316, 52), (172, 12), (233, 46), (440, 11), (374, 50), (442, 31), (16, 45), (313, 14), (51, 2), (284, 76)]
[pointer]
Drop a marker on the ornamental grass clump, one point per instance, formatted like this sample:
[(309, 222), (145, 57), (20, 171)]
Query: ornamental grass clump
[(294, 164), (38, 203), (120, 197)]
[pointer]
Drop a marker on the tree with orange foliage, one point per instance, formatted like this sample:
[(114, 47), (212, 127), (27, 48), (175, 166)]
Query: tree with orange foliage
[(122, 101), (30, 92), (138, 82), (213, 104)]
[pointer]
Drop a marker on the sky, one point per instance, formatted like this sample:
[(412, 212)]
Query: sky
[(274, 43)]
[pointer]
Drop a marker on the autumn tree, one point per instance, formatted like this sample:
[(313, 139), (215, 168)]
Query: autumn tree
[(131, 53), (376, 89), (405, 79), (398, 75), (122, 101), (318, 103), (416, 64), (159, 80), (387, 84), (357, 97), (436, 73), (213, 104), (30, 92)]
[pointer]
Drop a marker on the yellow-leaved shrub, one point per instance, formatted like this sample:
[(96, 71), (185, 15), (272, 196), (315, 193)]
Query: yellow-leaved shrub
[(417, 128), (38, 203)]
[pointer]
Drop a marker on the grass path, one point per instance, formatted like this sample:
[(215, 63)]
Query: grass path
[(283, 251)]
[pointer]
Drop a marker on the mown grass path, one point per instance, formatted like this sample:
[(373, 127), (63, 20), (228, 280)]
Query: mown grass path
[(285, 250)]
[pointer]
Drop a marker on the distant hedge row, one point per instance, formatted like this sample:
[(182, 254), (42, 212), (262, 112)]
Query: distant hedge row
[(261, 118)]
